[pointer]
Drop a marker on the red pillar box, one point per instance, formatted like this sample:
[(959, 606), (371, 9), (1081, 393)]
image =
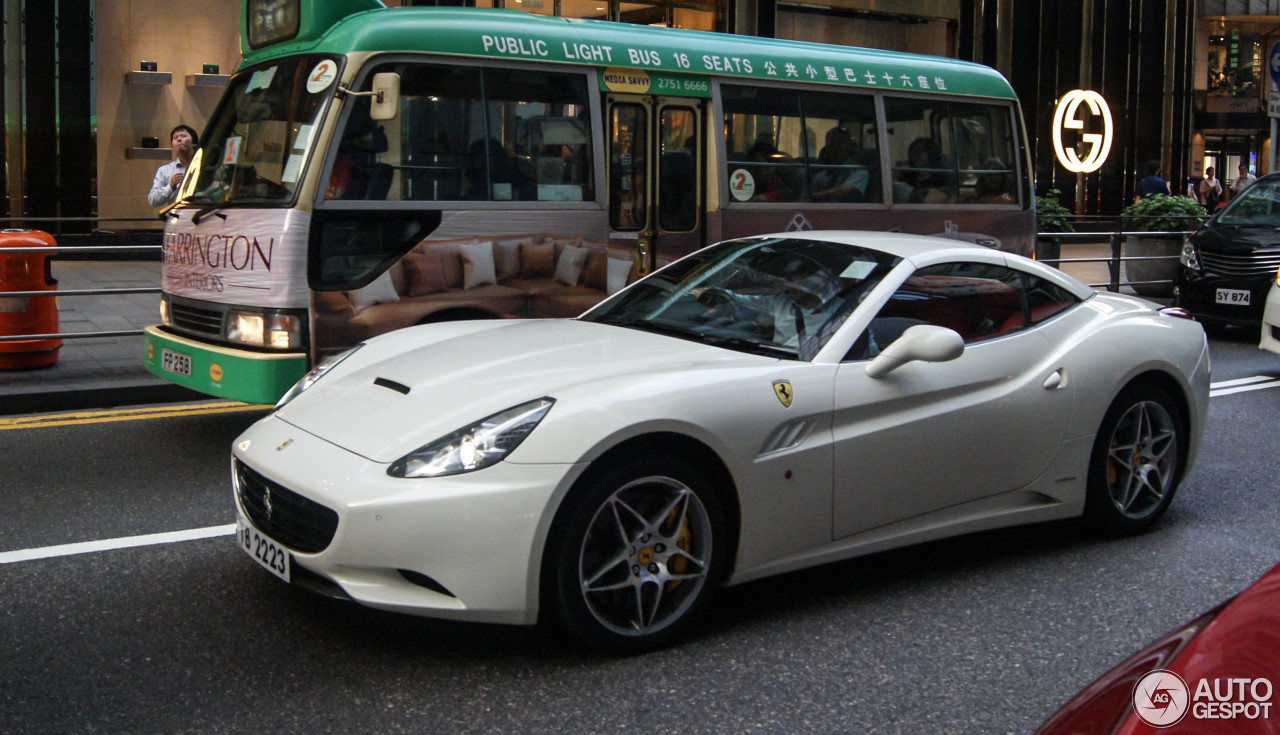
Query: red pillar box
[(27, 314)]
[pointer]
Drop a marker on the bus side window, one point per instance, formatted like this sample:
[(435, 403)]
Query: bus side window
[(847, 166), (762, 126), (923, 167)]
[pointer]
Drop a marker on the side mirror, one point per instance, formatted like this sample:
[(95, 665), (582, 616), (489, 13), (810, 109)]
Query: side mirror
[(386, 96), (924, 342)]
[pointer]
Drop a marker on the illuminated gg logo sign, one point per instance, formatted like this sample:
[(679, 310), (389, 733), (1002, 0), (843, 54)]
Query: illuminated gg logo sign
[(1067, 118)]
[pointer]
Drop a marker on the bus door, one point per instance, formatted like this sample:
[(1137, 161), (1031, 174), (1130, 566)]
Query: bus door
[(655, 169)]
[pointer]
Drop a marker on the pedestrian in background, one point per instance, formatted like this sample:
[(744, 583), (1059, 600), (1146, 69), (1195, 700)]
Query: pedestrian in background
[(1153, 183), (1242, 181), (1210, 190), (164, 188)]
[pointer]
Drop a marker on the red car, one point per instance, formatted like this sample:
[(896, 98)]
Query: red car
[(1213, 675)]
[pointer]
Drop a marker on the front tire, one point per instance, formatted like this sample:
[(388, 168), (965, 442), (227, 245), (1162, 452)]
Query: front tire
[(1136, 461), (637, 555)]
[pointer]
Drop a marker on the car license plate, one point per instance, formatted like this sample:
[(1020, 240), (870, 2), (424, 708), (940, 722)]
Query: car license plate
[(272, 556), (175, 362), (1232, 297)]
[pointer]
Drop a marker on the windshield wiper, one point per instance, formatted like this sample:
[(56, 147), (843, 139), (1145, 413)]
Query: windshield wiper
[(195, 219), (745, 345)]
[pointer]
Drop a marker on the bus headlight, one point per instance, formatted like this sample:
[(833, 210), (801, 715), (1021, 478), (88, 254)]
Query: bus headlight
[(275, 330), (165, 319)]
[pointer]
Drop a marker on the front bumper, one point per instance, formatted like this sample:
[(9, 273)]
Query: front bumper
[(1198, 295), (471, 544), (1271, 322), (225, 372)]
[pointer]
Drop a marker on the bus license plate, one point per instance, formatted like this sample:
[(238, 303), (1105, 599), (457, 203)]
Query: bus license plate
[(1232, 297), (175, 362), (270, 556)]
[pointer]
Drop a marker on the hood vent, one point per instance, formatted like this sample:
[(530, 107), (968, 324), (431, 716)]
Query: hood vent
[(393, 385)]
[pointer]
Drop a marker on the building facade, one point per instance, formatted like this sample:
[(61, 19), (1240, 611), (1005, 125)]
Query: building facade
[(1184, 80)]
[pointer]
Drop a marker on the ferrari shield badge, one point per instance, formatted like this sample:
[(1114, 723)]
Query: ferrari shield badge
[(782, 389)]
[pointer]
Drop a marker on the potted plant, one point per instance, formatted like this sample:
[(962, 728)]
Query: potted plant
[(1157, 213), (1051, 216)]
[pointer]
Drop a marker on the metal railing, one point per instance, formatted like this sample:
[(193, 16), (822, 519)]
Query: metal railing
[(1115, 259), (99, 249)]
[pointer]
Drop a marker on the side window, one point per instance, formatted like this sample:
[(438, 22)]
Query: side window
[(945, 151), (628, 144), (923, 165), (678, 172), (977, 300), (1045, 299), (469, 134), (847, 166), (984, 153), (765, 143)]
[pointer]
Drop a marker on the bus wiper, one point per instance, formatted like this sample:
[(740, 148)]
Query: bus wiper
[(214, 210)]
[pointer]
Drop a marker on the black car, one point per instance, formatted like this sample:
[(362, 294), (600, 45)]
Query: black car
[(1229, 264)]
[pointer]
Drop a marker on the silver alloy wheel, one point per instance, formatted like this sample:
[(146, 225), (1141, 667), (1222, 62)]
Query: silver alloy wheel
[(645, 556), (1142, 459)]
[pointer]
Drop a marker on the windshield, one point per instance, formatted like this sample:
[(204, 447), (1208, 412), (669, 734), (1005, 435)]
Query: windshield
[(771, 296), (1258, 205), (254, 147)]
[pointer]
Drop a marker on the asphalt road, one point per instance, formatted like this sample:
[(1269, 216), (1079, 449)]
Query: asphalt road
[(988, 633)]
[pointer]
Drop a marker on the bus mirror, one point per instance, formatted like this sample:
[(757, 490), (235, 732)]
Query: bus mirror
[(386, 96)]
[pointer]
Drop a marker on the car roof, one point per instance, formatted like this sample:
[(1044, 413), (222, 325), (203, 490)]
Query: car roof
[(925, 250), (893, 243)]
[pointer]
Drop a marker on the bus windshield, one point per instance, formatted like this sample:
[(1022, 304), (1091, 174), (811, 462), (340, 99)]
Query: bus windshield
[(259, 138)]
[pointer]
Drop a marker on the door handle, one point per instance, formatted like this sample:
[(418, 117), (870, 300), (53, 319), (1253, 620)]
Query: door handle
[(1057, 380), (642, 252)]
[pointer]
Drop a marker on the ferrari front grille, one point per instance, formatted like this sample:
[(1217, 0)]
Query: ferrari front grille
[(293, 521)]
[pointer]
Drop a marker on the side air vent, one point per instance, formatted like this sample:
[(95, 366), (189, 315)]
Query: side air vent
[(788, 435)]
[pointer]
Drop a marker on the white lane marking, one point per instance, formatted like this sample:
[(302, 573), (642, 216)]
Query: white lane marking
[(128, 542), (1241, 381), (1243, 385)]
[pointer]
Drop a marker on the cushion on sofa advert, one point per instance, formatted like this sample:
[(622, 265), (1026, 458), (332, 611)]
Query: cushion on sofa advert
[(381, 291), (570, 264), (477, 264), (506, 258), (425, 274), (619, 271), (537, 260)]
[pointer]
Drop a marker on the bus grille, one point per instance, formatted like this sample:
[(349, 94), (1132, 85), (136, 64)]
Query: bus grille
[(196, 320), (1240, 265), (290, 519)]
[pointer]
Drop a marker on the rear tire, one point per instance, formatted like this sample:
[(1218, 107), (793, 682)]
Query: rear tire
[(636, 555), (1136, 460)]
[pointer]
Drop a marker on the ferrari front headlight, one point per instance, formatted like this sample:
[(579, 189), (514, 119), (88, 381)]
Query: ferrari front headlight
[(475, 447)]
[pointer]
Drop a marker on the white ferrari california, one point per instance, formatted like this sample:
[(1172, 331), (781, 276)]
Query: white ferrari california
[(763, 405)]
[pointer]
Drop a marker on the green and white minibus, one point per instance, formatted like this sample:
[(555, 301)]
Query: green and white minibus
[(371, 168)]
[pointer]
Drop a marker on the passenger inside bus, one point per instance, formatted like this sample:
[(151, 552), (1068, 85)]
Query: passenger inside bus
[(488, 173), (993, 184), (926, 173), (356, 173), (845, 172), (770, 186)]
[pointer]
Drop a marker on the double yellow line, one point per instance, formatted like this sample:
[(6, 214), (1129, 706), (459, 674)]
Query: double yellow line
[(39, 421)]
